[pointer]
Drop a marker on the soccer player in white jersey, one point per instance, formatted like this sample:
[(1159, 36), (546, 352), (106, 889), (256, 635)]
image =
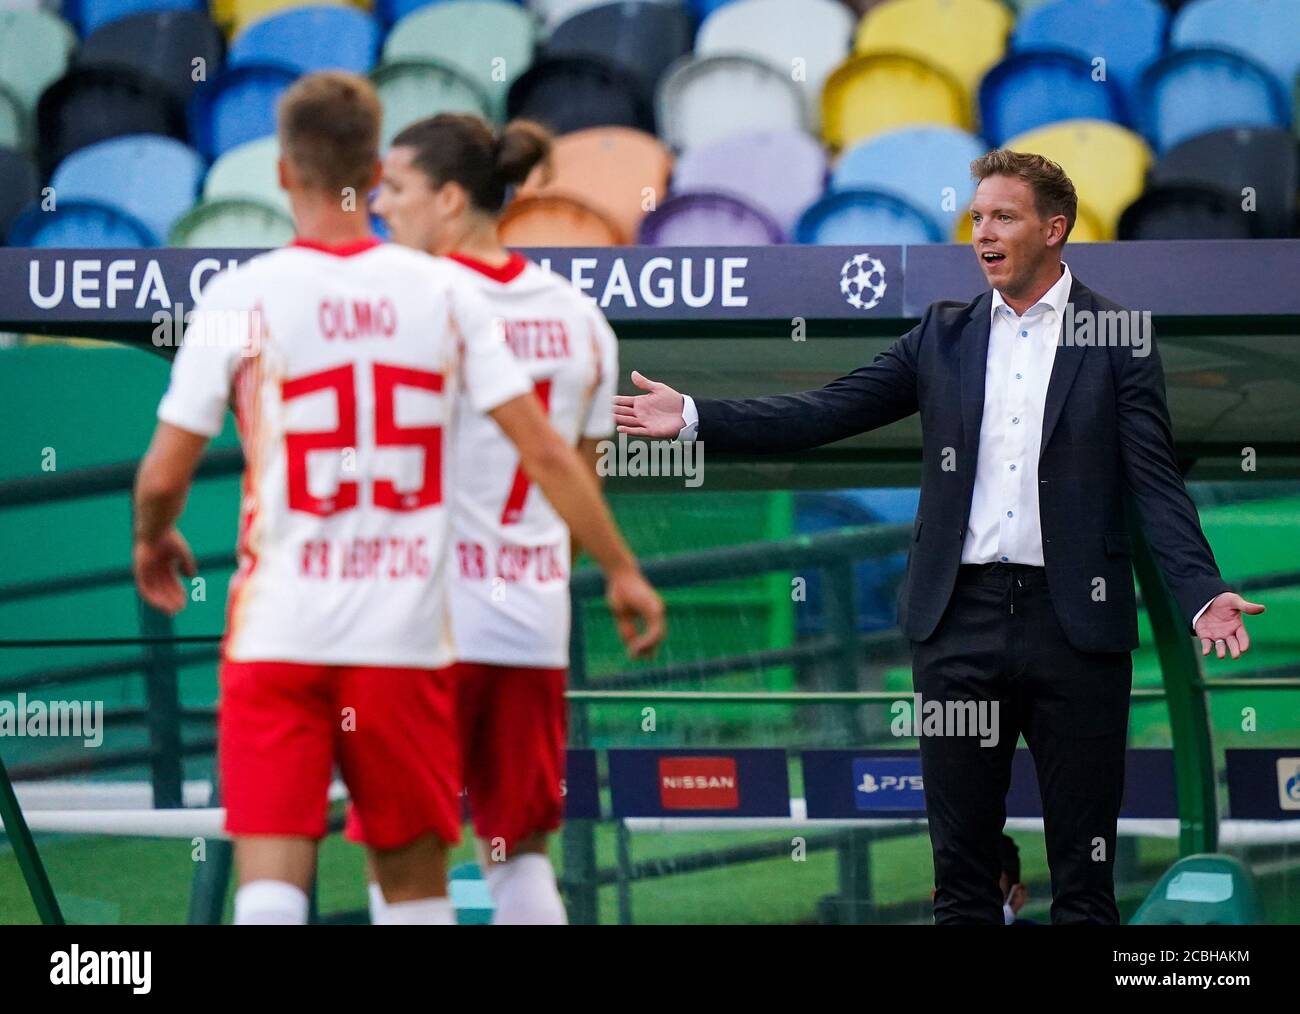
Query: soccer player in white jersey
[(445, 181), (346, 360)]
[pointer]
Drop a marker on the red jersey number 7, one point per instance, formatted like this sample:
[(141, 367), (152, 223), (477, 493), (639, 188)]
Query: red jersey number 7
[(513, 512)]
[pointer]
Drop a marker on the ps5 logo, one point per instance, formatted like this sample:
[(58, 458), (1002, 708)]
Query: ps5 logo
[(886, 783)]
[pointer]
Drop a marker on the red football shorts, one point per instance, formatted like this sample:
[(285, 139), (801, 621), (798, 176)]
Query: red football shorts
[(512, 727), (283, 726)]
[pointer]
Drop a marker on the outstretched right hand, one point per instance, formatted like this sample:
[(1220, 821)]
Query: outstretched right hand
[(657, 414)]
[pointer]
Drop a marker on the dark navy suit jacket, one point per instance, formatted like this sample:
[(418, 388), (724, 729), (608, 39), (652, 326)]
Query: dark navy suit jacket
[(1106, 434)]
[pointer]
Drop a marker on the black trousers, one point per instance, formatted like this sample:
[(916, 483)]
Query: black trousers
[(999, 640)]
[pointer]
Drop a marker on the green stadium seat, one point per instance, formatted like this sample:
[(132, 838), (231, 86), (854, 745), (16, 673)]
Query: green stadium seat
[(35, 47), (470, 36), (13, 124), (414, 89), (469, 894), (250, 171), (232, 222), (1202, 890)]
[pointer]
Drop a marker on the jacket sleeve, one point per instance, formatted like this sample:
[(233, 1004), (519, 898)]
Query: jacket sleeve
[(1151, 474), (870, 397)]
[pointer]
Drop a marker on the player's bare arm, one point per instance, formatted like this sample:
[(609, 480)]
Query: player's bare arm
[(162, 484), (568, 483)]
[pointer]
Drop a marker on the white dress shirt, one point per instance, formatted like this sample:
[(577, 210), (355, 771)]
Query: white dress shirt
[(1004, 522)]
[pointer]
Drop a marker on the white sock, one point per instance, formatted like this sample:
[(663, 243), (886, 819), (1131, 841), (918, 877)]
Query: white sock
[(420, 912), (377, 904), (270, 903), (524, 892)]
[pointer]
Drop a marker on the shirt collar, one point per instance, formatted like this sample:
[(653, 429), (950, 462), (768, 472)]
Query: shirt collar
[(1056, 297)]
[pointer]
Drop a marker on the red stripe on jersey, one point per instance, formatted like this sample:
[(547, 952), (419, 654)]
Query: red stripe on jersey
[(502, 273), (356, 246)]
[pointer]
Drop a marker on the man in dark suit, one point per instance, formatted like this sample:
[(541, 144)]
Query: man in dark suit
[(1019, 589)]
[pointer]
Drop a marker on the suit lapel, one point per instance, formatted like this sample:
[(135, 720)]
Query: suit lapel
[(1065, 365), (974, 351)]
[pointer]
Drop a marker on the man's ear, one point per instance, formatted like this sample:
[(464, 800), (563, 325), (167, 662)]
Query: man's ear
[(1019, 895), (1056, 230)]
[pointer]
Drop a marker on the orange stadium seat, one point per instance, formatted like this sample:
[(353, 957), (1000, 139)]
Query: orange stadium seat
[(557, 220)]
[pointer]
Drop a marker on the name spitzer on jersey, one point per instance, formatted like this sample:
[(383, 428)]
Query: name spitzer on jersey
[(509, 578)]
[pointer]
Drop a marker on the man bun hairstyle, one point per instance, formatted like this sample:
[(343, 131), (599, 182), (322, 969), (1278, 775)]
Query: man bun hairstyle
[(328, 126), (465, 149), (1054, 192)]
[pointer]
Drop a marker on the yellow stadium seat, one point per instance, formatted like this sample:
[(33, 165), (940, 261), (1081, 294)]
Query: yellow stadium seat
[(867, 95), (1107, 163), (233, 16), (964, 37), (1087, 228)]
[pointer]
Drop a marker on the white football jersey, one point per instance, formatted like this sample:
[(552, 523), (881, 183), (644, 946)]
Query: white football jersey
[(346, 365), (509, 579)]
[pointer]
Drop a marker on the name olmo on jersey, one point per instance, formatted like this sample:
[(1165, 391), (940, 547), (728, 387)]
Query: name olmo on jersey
[(96, 283)]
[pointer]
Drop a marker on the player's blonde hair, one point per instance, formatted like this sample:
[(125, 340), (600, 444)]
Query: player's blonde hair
[(328, 124)]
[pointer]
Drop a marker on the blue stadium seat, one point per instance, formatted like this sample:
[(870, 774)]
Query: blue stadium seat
[(80, 224), (238, 106), (1128, 34), (154, 179), (1032, 88), (88, 15), (708, 218), (849, 217), (1265, 31), (928, 166), (310, 38), (389, 12), (1191, 91)]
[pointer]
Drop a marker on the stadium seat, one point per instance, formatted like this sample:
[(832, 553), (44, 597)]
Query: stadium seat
[(1193, 91), (249, 171), (14, 129), (611, 169), (236, 15), (803, 41), (19, 186), (556, 220), (928, 166), (569, 93), (708, 218), (779, 172), (35, 47), (238, 106), (232, 222), (89, 15), (1186, 211), (1209, 889), (413, 89), (847, 217), (90, 104), (963, 37), (871, 94), (1107, 163), (554, 12), (1265, 31), (153, 179), (471, 36), (1232, 159), (1034, 88), (80, 224), (1129, 35), (641, 36), (310, 38), (162, 44), (469, 894), (701, 100)]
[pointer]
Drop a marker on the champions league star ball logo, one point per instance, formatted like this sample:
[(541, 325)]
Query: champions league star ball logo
[(862, 281)]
